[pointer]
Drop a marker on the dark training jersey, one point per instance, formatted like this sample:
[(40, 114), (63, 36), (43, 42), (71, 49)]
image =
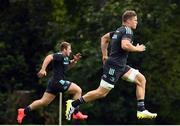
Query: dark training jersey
[(118, 56), (60, 66), (111, 33)]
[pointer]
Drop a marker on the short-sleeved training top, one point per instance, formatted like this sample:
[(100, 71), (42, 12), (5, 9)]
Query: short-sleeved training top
[(118, 56), (60, 66), (111, 34)]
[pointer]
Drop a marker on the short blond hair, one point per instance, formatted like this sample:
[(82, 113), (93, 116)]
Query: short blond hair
[(128, 15), (64, 45)]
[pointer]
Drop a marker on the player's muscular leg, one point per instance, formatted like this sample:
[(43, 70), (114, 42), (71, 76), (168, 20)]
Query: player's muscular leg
[(140, 81), (44, 101), (100, 92), (75, 90), (136, 77)]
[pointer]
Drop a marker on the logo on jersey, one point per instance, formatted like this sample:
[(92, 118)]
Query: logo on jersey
[(128, 31), (66, 61), (114, 36)]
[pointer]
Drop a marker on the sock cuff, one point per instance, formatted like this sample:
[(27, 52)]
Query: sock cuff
[(140, 100), (27, 110), (82, 100), (140, 103)]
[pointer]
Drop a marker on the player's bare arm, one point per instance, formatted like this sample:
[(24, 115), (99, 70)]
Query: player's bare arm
[(105, 39), (127, 46), (75, 59), (46, 61)]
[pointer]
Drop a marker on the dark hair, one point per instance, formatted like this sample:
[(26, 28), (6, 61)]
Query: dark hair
[(64, 45), (128, 15)]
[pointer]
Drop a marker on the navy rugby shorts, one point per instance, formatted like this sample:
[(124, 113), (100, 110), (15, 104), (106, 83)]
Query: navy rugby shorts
[(111, 72), (54, 87)]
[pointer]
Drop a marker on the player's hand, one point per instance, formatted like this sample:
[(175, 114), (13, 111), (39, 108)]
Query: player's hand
[(141, 47), (104, 58), (41, 73), (77, 57)]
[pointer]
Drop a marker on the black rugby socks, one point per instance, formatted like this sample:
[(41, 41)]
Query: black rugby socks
[(27, 110), (76, 110), (140, 105), (77, 102)]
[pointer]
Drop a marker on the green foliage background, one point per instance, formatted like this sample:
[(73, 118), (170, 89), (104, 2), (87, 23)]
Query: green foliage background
[(30, 29)]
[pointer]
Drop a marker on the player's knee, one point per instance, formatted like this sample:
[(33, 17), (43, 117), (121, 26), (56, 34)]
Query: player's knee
[(79, 90), (142, 81)]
